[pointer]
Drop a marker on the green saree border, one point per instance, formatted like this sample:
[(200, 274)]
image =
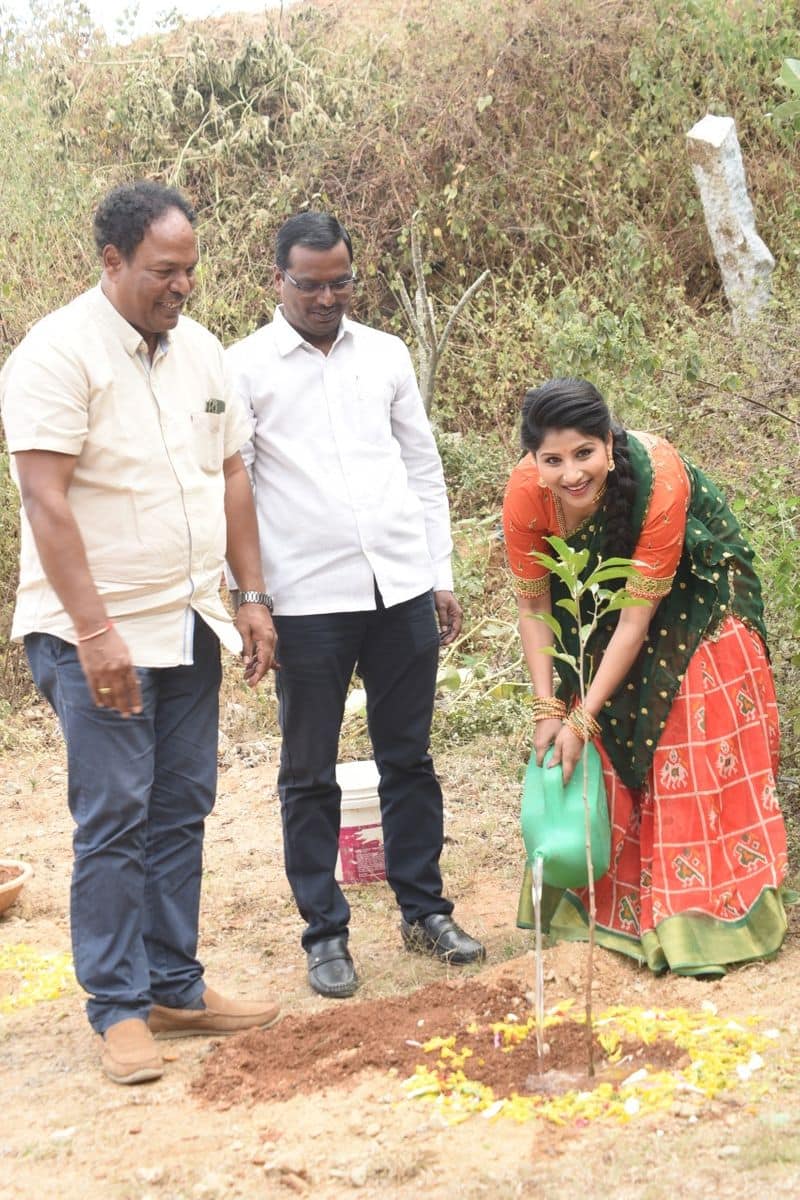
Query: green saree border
[(686, 944)]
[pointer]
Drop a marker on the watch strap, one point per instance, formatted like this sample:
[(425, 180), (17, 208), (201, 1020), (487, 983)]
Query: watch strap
[(256, 598)]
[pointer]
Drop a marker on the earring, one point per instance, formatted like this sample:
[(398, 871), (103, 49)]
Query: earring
[(611, 464), (542, 484)]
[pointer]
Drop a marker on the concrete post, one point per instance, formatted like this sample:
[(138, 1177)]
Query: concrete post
[(745, 262)]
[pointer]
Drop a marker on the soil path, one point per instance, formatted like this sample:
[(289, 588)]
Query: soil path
[(329, 1117)]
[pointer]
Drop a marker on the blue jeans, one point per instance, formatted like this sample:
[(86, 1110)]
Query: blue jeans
[(139, 792), (396, 653)]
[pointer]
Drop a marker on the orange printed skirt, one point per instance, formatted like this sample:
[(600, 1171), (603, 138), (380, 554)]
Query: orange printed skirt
[(699, 853)]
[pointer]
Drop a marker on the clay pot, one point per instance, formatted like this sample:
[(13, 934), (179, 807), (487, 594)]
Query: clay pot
[(13, 877)]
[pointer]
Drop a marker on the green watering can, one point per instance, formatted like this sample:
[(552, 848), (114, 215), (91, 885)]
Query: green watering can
[(553, 829)]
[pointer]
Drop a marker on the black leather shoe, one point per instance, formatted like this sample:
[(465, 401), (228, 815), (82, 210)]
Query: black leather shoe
[(330, 968), (438, 934)]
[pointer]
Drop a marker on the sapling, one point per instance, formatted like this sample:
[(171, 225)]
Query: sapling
[(587, 603)]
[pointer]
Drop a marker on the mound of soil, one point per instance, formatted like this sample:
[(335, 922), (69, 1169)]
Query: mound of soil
[(308, 1054)]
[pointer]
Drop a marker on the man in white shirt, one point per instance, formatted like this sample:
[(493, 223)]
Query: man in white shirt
[(355, 542), (125, 449)]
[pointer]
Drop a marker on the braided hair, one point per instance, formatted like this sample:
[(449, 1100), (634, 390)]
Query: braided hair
[(576, 404)]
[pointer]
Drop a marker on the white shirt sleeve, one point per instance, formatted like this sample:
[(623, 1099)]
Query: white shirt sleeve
[(237, 397), (411, 428), (240, 412)]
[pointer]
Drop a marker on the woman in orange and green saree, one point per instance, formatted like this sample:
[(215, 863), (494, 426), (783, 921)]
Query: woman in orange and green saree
[(681, 704)]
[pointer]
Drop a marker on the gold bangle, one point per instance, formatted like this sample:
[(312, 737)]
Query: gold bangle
[(547, 708), (583, 724)]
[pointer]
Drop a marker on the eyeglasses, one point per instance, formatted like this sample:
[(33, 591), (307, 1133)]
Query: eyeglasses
[(308, 287)]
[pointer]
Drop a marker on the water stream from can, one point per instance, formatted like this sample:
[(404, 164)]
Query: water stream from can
[(536, 894)]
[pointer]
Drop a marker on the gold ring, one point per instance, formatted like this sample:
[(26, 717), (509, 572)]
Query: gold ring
[(104, 691)]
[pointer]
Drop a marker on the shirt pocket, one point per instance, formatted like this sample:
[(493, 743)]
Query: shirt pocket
[(373, 412), (208, 440)]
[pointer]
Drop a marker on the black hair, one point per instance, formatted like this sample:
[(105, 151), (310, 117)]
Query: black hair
[(125, 214), (577, 404), (317, 231)]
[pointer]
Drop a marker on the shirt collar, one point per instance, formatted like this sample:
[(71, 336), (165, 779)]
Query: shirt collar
[(113, 319), (288, 339)]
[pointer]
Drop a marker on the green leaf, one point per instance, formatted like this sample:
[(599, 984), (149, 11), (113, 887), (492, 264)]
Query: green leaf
[(560, 546), (566, 574), (604, 598), (567, 658), (606, 572), (790, 74), (619, 562), (787, 111), (508, 691), (449, 679), (544, 560), (623, 599), (549, 620), (569, 605)]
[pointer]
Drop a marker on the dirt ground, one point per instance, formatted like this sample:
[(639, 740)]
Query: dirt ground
[(330, 1118)]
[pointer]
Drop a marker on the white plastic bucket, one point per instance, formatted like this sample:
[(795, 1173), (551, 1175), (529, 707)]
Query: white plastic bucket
[(360, 857)]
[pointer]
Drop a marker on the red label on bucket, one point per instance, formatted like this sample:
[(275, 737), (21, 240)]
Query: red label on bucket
[(361, 854)]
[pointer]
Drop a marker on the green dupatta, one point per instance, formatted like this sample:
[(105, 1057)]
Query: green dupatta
[(715, 577)]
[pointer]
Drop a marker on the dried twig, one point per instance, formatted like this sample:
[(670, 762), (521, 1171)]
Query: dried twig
[(706, 383), (421, 318)]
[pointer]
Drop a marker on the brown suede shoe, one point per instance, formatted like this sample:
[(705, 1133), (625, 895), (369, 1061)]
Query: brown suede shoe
[(220, 1016), (129, 1053)]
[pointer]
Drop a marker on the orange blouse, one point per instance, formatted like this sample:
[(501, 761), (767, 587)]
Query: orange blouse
[(531, 513)]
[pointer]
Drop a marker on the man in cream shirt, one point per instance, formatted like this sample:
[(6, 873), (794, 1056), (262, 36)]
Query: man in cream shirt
[(125, 448), (355, 542)]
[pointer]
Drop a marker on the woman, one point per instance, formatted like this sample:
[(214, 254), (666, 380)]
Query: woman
[(681, 702)]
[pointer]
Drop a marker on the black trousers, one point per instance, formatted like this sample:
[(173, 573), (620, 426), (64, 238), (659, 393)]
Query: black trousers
[(396, 652)]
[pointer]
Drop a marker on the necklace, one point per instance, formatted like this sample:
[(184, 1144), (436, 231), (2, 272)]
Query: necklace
[(561, 516)]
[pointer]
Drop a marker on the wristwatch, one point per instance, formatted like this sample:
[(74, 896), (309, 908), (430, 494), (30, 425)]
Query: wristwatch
[(256, 598)]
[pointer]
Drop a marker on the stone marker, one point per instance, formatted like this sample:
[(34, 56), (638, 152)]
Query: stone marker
[(745, 262)]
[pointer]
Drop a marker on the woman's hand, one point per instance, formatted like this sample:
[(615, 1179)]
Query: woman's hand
[(545, 733), (568, 748)]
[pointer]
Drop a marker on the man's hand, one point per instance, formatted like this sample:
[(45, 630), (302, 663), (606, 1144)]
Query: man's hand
[(110, 674), (253, 621), (259, 639), (45, 478), (448, 610)]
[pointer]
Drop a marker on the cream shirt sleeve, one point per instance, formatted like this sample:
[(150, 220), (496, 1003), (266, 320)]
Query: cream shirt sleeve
[(45, 399)]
